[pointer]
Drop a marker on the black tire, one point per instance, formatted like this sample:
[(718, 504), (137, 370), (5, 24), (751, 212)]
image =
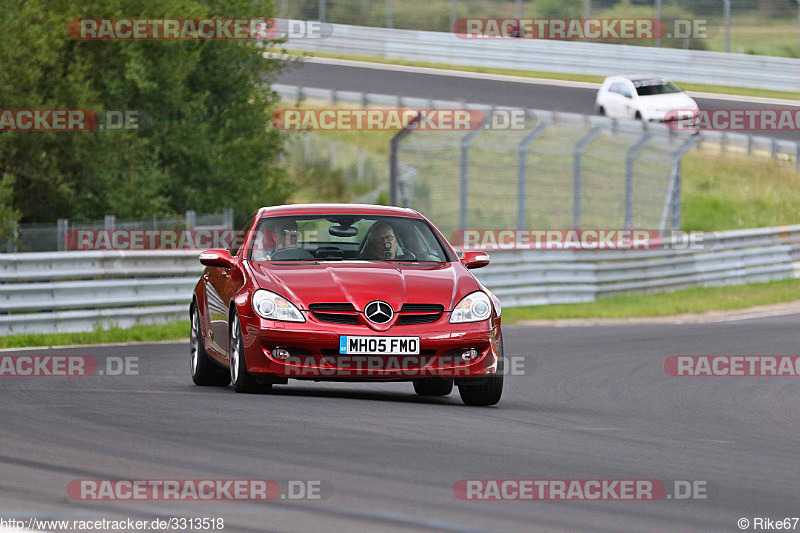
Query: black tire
[(433, 387), (204, 371), (241, 380), (601, 111), (638, 116), (488, 392)]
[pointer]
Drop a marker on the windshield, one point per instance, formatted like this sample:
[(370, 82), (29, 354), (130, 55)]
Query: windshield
[(652, 87), (346, 237)]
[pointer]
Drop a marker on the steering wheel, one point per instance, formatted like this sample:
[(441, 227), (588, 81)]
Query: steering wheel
[(292, 254)]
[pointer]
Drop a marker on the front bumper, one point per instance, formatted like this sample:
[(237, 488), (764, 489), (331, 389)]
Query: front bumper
[(314, 351)]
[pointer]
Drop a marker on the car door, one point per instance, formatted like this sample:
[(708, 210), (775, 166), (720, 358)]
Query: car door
[(221, 285), (615, 102), (627, 103)]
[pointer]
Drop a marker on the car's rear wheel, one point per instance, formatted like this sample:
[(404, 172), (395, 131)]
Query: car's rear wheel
[(241, 380), (433, 387), (601, 111), (488, 392), (204, 371)]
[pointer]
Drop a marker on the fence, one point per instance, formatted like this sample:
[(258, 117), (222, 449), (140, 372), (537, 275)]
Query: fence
[(362, 176), (564, 170), (694, 66), (734, 25), (52, 237), (74, 291), (720, 141)]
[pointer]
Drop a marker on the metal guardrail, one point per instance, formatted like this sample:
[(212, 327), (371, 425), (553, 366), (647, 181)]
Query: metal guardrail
[(74, 291), (536, 277), (693, 66)]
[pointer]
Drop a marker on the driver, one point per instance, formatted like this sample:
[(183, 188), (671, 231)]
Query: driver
[(380, 234), (286, 235)]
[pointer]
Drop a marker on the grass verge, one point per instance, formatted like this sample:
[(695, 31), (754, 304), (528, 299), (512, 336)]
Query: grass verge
[(153, 333), (694, 300), (694, 87)]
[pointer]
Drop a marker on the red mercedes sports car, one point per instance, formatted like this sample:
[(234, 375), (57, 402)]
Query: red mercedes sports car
[(346, 292)]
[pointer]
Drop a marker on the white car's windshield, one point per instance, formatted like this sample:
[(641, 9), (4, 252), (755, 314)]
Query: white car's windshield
[(653, 87)]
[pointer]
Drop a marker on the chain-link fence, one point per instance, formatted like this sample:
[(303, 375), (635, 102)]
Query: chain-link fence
[(766, 27), (53, 237), (351, 173), (561, 171)]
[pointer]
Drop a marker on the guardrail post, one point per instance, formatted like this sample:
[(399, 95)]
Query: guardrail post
[(227, 218), (61, 234), (523, 174), (749, 144), (463, 215), (389, 13), (576, 174), (306, 148), (110, 222), (629, 178), (190, 218), (394, 147), (774, 147), (332, 152)]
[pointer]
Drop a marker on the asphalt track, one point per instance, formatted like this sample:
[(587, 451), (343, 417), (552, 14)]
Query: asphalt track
[(593, 403), (573, 99)]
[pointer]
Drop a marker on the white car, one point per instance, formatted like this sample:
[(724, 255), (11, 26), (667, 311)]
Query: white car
[(641, 97)]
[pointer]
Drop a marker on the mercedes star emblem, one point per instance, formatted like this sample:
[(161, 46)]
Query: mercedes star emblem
[(379, 312)]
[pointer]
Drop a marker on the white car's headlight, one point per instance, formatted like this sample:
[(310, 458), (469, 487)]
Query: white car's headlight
[(473, 307), (271, 306)]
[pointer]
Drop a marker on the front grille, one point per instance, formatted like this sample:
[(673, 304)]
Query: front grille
[(422, 308), (412, 314), (342, 308), (408, 320), (336, 318), (336, 313)]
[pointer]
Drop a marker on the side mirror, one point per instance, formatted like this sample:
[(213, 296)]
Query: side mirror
[(475, 259), (216, 258)]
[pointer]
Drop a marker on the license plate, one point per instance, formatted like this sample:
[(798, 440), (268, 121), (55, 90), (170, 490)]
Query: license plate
[(379, 345)]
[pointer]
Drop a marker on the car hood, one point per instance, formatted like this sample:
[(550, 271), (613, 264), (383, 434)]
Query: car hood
[(666, 102), (360, 282)]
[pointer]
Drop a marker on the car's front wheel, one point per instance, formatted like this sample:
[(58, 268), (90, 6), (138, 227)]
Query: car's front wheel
[(488, 392), (433, 387), (241, 380), (204, 371)]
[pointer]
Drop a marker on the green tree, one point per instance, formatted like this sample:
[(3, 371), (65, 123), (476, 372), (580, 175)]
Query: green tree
[(205, 144)]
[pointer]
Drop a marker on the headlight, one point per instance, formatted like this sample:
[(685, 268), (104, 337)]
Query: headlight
[(271, 306), (472, 308)]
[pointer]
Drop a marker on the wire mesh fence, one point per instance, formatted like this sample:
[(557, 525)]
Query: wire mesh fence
[(562, 173), (353, 174)]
